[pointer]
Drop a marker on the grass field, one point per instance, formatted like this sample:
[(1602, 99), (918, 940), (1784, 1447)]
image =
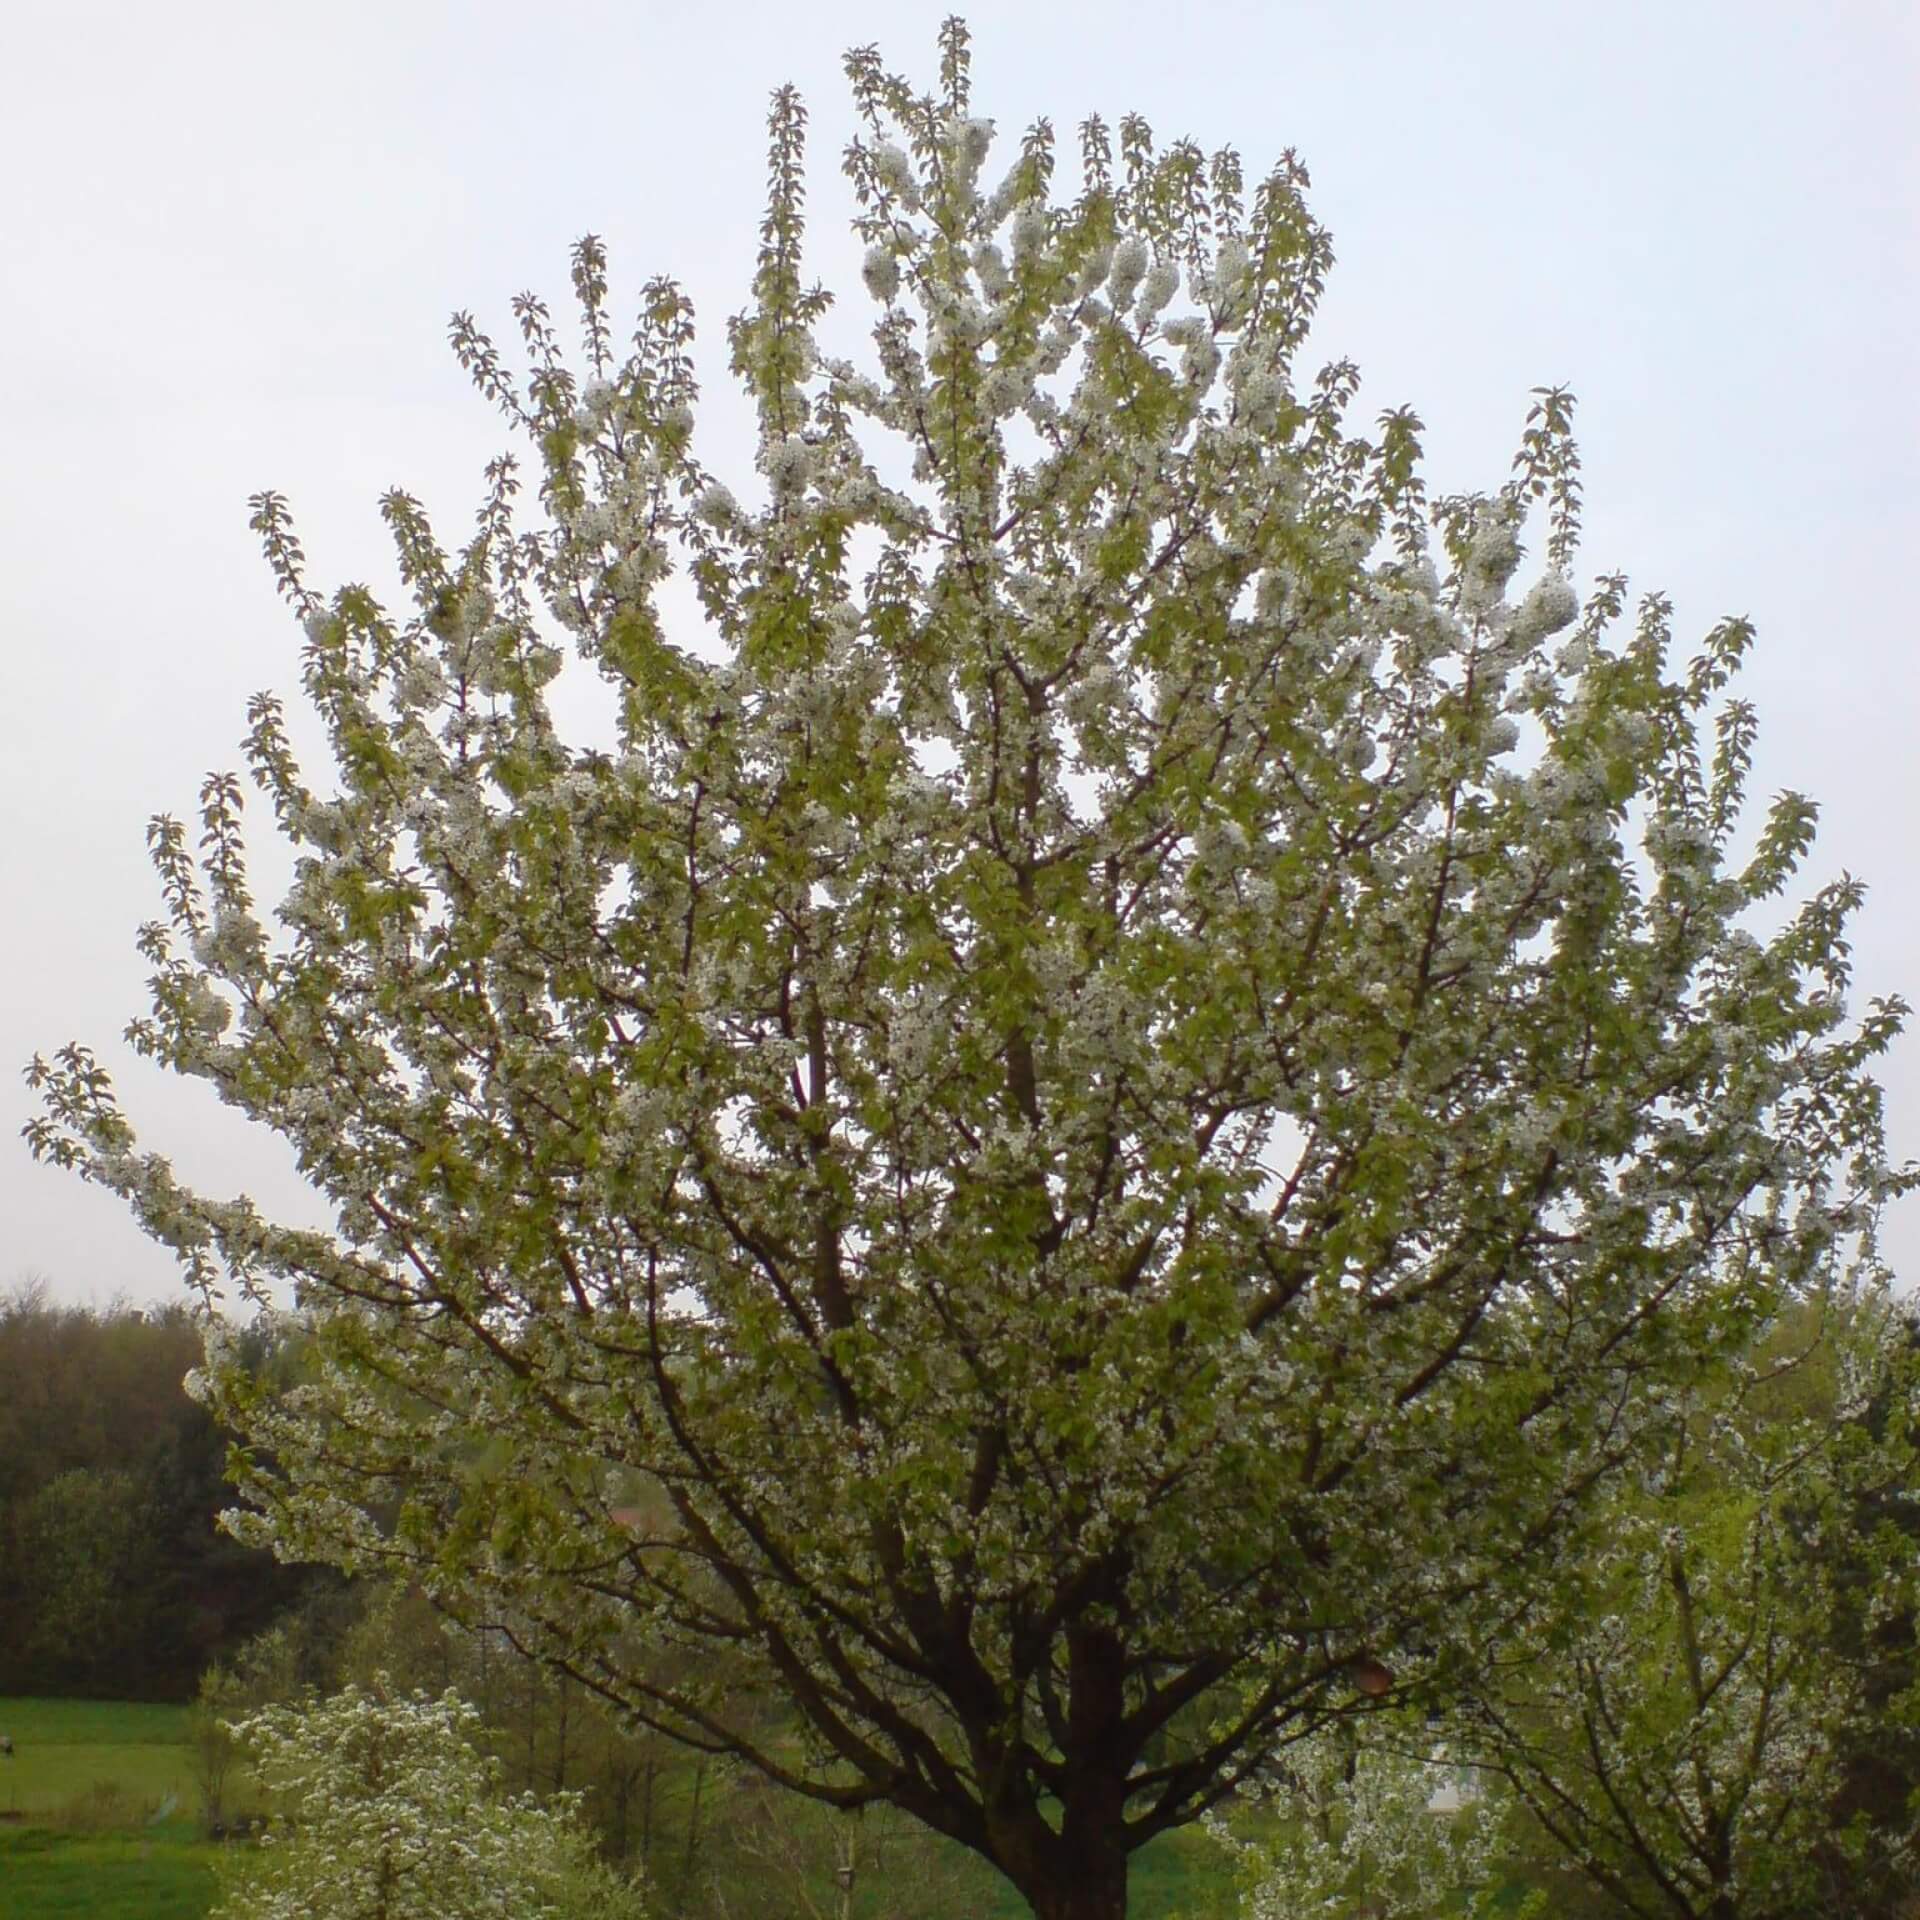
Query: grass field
[(82, 1792), (67, 1753), (163, 1873)]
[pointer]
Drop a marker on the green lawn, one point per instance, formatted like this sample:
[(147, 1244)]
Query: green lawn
[(122, 1760), (166, 1873), (1182, 1876), (86, 1780), (163, 1873)]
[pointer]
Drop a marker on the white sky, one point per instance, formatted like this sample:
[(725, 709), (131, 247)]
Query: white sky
[(232, 236)]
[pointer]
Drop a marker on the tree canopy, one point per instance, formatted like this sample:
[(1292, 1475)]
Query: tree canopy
[(1140, 1068)]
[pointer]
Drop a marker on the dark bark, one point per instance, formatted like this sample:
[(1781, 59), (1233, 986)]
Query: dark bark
[(1080, 1873), (1099, 1893)]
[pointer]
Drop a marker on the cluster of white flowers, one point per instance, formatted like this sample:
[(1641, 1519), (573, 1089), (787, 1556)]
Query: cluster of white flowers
[(1549, 606), (1676, 841), (1502, 735), (1231, 285), (1130, 262), (1030, 229), (1373, 1825), (1097, 696), (881, 271), (597, 400), (716, 507), (1007, 390), (232, 944), (1200, 352), (1161, 283), (962, 321), (421, 683), (1492, 556), (593, 524), (789, 464), (895, 170), (1575, 656)]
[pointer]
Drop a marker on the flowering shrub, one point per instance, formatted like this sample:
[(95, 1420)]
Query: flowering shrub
[(1380, 1825), (387, 1811), (1138, 1004)]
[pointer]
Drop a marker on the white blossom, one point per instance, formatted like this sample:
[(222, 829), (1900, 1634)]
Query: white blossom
[(789, 463), (1548, 607), (895, 170), (1492, 556), (881, 271), (390, 1812), (716, 505), (1029, 230), (1130, 260), (1161, 284)]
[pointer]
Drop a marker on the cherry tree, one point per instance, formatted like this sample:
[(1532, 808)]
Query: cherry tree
[(1116, 1100)]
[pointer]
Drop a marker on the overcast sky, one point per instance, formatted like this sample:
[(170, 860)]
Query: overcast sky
[(232, 237)]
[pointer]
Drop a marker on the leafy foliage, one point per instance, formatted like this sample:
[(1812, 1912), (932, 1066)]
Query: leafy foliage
[(1685, 1733), (1127, 1011), (1682, 1720), (114, 1579)]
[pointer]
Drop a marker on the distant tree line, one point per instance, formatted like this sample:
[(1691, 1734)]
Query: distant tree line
[(115, 1580)]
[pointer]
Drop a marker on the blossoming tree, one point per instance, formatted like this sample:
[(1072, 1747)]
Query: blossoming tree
[(1382, 1826), (388, 1811), (1677, 1726), (1685, 1740), (1113, 1098)]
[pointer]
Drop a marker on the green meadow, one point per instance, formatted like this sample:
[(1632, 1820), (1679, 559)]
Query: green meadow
[(97, 1812), (70, 1756), (165, 1873)]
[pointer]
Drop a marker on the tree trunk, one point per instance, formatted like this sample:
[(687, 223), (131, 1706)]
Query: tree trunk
[(1098, 1893), (533, 1722), (847, 1862), (1082, 1874)]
